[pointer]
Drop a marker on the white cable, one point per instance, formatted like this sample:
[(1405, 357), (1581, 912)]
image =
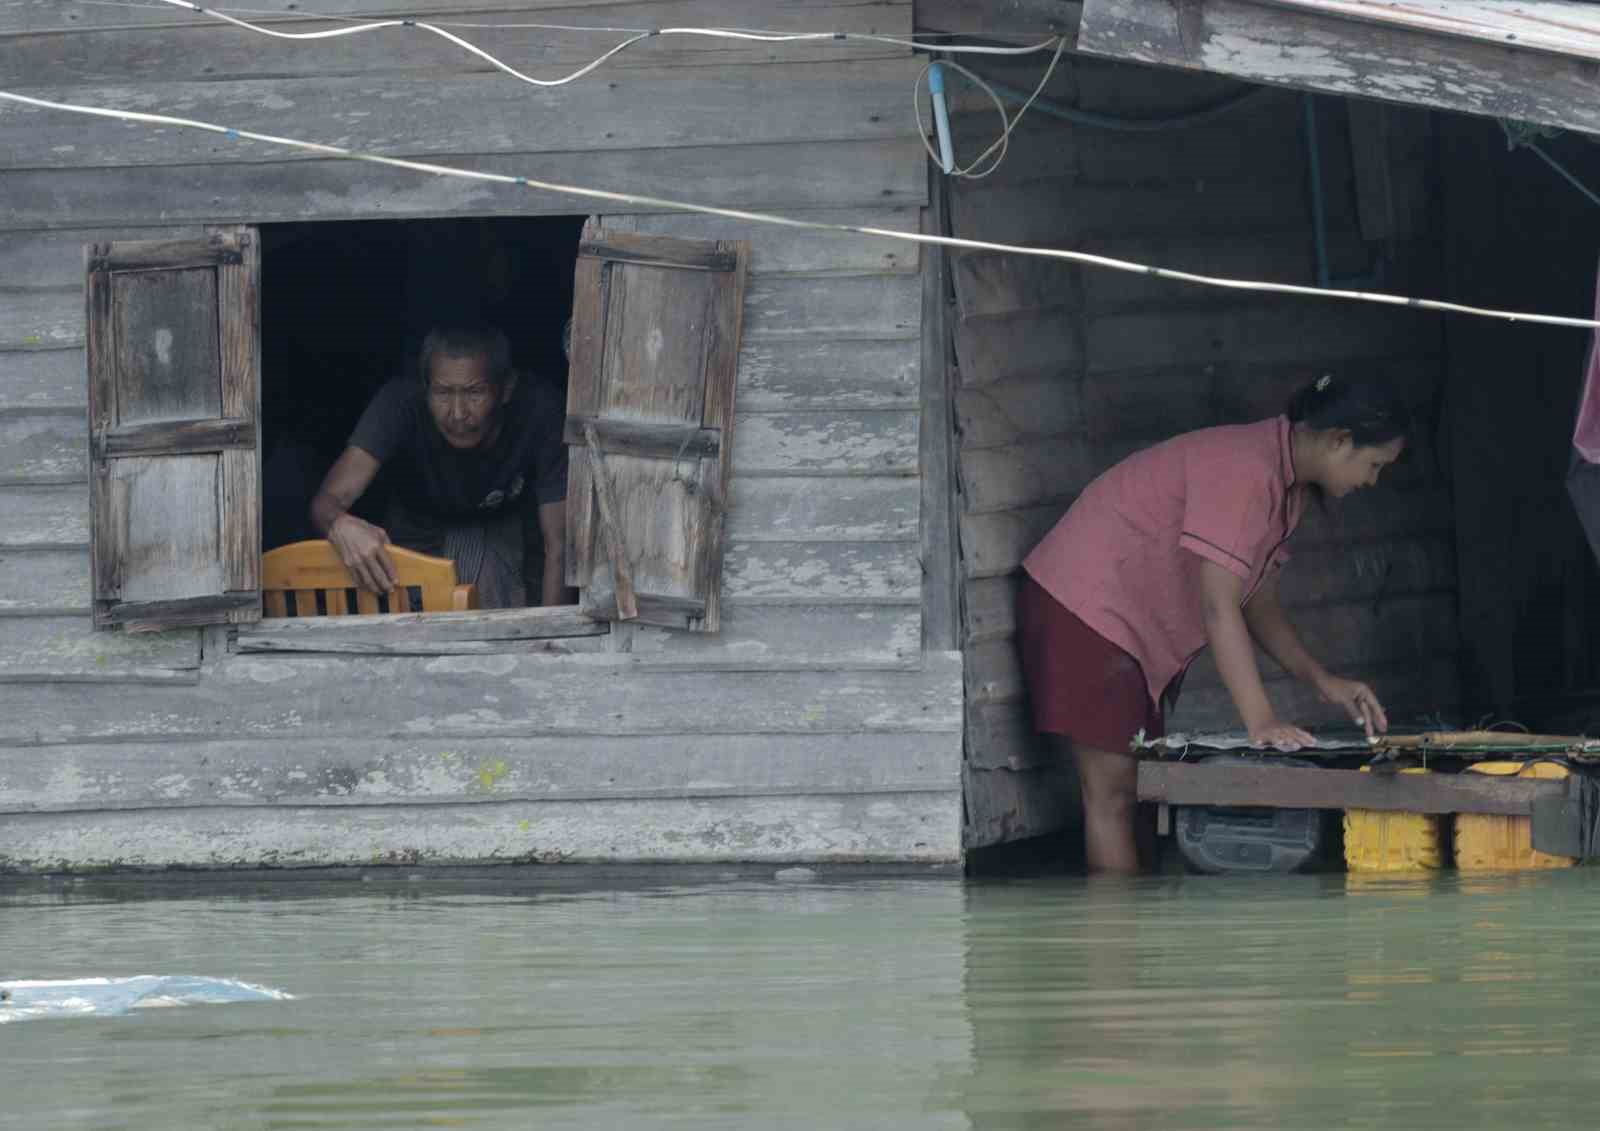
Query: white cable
[(1002, 143), (655, 202), (1007, 123), (635, 35)]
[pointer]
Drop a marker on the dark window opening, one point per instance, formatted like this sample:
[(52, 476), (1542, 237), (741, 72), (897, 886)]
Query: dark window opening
[(344, 309)]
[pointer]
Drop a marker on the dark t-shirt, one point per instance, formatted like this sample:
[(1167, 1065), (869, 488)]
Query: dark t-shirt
[(526, 465)]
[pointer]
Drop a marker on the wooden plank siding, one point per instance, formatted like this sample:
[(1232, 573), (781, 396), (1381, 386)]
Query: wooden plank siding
[(1063, 370), (132, 46), (814, 726)]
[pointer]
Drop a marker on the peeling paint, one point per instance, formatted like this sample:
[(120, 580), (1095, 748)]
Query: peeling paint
[(260, 671), (484, 665)]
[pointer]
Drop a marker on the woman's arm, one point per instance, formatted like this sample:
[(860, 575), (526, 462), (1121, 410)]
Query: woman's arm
[(1269, 624), (1220, 594)]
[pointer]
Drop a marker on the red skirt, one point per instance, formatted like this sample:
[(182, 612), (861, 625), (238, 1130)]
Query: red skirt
[(1079, 683)]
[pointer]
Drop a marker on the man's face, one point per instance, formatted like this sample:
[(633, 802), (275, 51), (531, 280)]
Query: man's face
[(463, 399)]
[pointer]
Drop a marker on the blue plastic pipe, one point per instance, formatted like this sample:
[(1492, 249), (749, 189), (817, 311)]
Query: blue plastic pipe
[(941, 117)]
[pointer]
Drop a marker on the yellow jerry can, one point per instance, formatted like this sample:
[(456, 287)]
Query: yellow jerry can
[(1378, 840), (1489, 842)]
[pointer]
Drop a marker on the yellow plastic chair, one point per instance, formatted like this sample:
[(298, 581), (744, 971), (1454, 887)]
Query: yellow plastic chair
[(319, 581)]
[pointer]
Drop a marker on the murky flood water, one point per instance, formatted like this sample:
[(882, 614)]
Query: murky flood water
[(1192, 1002)]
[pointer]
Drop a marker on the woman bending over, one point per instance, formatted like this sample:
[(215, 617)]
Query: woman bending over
[(1173, 549)]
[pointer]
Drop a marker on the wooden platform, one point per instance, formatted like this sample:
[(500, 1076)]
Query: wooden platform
[(1296, 787)]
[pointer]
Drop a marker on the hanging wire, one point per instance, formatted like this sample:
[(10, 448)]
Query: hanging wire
[(635, 35), (359, 26), (655, 203), (1007, 124), (1522, 135)]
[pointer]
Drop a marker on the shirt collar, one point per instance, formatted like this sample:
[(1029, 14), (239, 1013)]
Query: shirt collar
[(1286, 450)]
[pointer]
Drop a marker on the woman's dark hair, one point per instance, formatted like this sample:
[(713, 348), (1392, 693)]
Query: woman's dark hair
[(467, 341), (1369, 409)]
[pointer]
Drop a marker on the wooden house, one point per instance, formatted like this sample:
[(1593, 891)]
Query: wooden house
[(820, 530)]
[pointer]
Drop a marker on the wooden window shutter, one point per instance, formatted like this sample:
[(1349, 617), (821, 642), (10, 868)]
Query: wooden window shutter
[(174, 430), (655, 350)]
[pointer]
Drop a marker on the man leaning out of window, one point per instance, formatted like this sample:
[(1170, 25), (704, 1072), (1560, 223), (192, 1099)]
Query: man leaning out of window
[(477, 470)]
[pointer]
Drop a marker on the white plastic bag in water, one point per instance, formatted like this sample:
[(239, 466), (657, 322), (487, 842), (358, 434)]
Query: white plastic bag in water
[(110, 997)]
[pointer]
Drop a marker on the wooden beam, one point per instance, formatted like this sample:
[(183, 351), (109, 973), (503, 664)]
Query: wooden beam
[(157, 616), (1307, 50), (643, 438), (792, 175), (169, 437), (1292, 787), (936, 439), (1019, 20), (486, 630), (611, 529)]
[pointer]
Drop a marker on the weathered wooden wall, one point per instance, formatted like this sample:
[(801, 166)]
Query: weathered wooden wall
[(1063, 370), (814, 726)]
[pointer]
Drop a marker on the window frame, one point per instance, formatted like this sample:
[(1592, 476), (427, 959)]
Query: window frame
[(536, 628), (560, 628), (533, 628)]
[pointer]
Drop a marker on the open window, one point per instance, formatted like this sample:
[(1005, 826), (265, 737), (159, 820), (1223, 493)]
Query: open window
[(196, 383)]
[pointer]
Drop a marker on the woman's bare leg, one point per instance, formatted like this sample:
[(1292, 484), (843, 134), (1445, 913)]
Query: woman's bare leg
[(1110, 797)]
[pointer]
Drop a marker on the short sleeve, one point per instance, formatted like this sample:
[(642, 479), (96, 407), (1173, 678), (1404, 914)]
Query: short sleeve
[(383, 425), (550, 456), (1224, 516)]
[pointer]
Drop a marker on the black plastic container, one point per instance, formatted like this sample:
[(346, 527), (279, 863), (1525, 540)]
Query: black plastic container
[(1245, 839)]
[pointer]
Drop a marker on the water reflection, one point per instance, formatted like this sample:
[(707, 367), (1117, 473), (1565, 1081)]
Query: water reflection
[(1398, 1001), (1181, 1002)]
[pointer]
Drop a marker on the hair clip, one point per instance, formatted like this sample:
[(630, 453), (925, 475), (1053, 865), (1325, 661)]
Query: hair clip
[(1323, 382)]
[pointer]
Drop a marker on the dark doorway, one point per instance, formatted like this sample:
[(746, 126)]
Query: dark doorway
[(345, 306)]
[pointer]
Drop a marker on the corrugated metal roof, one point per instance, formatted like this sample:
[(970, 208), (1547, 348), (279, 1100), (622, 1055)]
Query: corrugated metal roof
[(1564, 27)]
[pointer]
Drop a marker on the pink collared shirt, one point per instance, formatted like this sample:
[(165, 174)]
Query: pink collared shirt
[(1224, 494)]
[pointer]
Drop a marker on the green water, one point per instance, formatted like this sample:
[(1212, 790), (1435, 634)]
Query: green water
[(1171, 1003)]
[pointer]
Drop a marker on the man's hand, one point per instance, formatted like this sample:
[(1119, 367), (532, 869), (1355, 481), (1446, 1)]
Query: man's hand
[(1279, 736), (363, 549), (1358, 700)]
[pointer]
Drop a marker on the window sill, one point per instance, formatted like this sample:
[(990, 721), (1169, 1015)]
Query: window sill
[(560, 628)]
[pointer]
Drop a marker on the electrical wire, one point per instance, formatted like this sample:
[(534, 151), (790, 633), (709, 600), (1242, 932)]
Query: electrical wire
[(635, 35), (638, 35), (760, 34), (1138, 125), (1522, 134), (1007, 124), (665, 204)]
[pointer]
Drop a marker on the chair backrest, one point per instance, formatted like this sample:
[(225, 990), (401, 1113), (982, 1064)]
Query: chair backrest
[(307, 579)]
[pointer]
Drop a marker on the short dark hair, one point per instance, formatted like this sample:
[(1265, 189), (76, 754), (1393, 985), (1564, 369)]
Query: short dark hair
[(1367, 408), (466, 341)]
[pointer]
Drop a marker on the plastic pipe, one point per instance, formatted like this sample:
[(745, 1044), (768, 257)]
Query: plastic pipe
[(941, 117)]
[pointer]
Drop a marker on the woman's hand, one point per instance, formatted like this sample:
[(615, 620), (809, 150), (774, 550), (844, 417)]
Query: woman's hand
[(1358, 700), (1279, 736), (363, 549)]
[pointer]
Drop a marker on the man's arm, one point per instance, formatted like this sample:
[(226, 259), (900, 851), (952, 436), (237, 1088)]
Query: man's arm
[(1220, 593), (553, 527), (361, 545)]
